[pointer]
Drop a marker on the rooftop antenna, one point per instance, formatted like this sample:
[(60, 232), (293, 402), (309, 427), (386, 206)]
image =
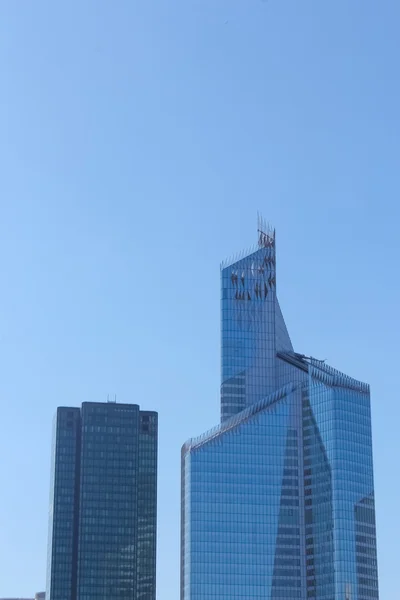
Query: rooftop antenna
[(266, 235)]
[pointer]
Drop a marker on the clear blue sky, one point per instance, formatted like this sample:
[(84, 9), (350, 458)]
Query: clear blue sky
[(138, 139)]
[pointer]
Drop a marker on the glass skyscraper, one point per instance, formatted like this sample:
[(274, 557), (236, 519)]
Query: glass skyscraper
[(103, 504), (278, 500)]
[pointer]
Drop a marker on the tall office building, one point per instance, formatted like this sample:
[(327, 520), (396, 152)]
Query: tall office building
[(103, 505), (278, 500)]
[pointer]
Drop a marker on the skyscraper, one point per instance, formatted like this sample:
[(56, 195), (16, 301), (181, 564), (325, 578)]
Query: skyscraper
[(103, 505), (277, 500)]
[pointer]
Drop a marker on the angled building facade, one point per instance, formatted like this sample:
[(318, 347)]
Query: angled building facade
[(103, 504), (277, 500)]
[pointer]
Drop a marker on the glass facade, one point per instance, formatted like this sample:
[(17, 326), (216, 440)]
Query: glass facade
[(103, 504), (278, 500)]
